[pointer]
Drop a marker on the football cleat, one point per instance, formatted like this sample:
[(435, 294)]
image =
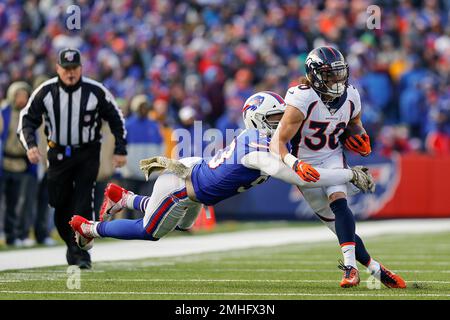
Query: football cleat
[(362, 179), (84, 232), (389, 278), (113, 201), (351, 276)]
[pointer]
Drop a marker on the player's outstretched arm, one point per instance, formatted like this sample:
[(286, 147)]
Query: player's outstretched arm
[(269, 164), (287, 128)]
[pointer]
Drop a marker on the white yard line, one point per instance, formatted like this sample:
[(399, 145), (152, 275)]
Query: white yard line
[(179, 246), (209, 280), (294, 294), (316, 262), (275, 270)]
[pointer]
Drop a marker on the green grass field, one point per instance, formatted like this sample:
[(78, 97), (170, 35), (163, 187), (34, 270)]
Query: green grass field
[(301, 271)]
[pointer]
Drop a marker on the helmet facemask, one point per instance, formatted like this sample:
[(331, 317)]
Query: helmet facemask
[(269, 126), (331, 81), (327, 71), (335, 80)]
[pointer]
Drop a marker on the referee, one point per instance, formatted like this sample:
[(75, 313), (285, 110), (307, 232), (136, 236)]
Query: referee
[(73, 108)]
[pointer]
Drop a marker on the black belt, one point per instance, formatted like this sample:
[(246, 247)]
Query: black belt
[(67, 150)]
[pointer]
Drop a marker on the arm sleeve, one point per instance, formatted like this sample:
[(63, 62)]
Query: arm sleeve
[(270, 165), (110, 111), (30, 120)]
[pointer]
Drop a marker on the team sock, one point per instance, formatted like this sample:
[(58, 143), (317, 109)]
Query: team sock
[(373, 266), (362, 256), (124, 229), (94, 229), (345, 230), (137, 202), (348, 251)]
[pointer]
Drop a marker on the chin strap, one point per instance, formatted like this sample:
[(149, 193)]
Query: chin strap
[(153, 164)]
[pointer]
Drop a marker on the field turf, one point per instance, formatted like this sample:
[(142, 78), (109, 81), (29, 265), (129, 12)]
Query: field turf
[(300, 271)]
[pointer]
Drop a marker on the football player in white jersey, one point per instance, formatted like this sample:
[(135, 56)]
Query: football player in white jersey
[(317, 113), (181, 190)]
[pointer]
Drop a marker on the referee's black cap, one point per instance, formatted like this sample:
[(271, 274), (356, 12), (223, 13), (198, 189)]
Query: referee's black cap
[(69, 57)]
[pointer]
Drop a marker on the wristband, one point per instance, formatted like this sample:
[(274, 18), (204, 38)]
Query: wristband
[(290, 160)]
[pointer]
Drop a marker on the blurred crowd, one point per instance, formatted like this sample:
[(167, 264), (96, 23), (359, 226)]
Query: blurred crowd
[(169, 63)]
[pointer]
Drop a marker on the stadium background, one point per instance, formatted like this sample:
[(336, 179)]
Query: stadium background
[(200, 60)]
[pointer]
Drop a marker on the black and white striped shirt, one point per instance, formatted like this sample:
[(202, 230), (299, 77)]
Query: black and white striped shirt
[(73, 115)]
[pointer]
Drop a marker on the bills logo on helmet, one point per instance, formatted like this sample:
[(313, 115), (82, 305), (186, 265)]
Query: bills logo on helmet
[(253, 104)]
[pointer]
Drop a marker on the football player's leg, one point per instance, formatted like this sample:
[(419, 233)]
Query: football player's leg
[(163, 209), (318, 200), (323, 211), (361, 253), (116, 198), (345, 231), (189, 219), (344, 222), (344, 219), (124, 229), (166, 218)]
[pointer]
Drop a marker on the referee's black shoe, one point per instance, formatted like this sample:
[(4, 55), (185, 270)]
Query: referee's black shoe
[(85, 260), (78, 257), (72, 256)]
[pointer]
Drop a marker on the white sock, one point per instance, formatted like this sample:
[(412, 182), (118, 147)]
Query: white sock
[(94, 230), (348, 251), (373, 266), (129, 200)]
